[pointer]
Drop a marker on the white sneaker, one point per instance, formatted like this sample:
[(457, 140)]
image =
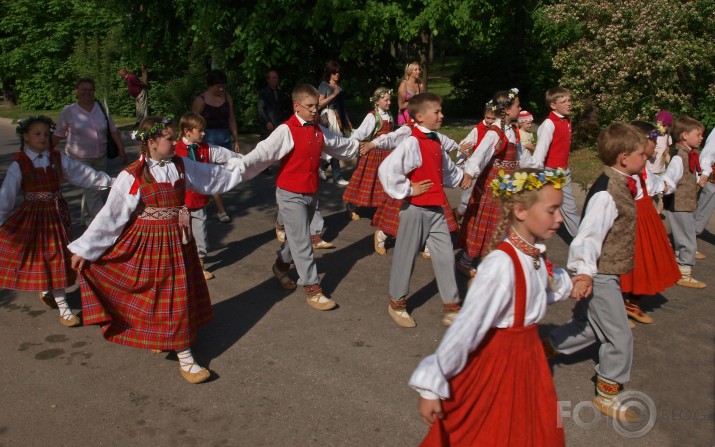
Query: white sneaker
[(342, 182), (322, 175)]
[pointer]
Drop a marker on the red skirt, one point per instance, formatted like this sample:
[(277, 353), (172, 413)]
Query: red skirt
[(365, 188), (33, 245), (655, 267), (148, 290), (505, 396), (483, 215), (387, 216)]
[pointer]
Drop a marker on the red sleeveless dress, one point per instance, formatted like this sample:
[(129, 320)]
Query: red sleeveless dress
[(365, 188), (148, 290), (34, 239), (505, 395), (484, 211), (655, 268)]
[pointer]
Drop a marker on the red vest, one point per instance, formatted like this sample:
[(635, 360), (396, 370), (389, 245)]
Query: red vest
[(481, 131), (193, 199), (431, 168), (299, 169), (558, 155)]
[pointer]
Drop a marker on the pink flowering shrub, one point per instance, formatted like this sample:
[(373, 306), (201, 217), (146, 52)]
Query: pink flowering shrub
[(630, 58)]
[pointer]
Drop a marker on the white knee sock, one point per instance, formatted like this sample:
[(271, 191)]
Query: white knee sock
[(187, 362)]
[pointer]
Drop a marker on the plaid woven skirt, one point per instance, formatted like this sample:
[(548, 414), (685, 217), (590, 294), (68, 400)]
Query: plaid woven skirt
[(33, 246), (148, 290), (387, 216), (483, 215), (365, 188)]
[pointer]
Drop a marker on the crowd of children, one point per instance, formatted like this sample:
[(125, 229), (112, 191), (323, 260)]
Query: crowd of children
[(141, 261)]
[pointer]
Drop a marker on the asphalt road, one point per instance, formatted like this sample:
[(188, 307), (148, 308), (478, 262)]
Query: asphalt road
[(287, 375)]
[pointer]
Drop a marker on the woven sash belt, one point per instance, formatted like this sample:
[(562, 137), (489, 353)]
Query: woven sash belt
[(181, 213)]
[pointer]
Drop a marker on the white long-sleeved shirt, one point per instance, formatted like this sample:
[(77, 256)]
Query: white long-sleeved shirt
[(406, 158), (585, 249), (217, 154), (489, 304), (653, 183), (391, 140), (707, 155), (674, 173), (280, 143), (488, 146), (545, 135), (660, 152), (107, 226), (77, 173), (367, 127)]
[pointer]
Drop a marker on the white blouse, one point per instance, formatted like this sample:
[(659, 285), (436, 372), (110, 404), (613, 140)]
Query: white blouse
[(367, 127), (107, 226), (489, 304), (77, 173), (406, 158), (487, 147)]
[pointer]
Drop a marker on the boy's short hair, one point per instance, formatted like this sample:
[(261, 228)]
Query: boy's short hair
[(617, 139), (301, 91), (81, 81), (685, 124), (418, 103), (646, 128), (556, 93), (190, 121)]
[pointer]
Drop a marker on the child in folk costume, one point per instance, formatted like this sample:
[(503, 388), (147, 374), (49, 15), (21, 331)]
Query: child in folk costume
[(34, 237), (489, 383), (601, 252), (365, 189), (466, 149), (706, 201), (417, 171), (192, 146), (553, 147), (298, 144), (526, 120), (140, 276), (684, 177), (654, 267), (497, 152), (387, 215), (661, 154)]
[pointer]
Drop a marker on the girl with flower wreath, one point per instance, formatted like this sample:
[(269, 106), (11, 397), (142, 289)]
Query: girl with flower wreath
[(140, 276), (489, 382), (497, 152), (33, 237), (365, 188)]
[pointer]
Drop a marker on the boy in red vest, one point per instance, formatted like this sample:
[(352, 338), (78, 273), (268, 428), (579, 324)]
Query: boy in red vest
[(553, 145), (297, 144), (191, 145), (417, 171)]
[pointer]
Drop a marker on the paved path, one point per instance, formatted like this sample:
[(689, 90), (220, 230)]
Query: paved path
[(286, 375)]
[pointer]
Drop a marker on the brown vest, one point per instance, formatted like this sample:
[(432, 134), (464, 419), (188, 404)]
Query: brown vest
[(618, 248), (685, 197)]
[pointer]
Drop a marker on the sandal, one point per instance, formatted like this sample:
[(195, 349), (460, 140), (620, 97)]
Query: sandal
[(72, 320), (200, 376), (224, 218)]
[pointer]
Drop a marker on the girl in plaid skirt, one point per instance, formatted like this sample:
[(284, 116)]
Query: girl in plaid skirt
[(365, 189), (498, 152), (33, 238), (143, 284)]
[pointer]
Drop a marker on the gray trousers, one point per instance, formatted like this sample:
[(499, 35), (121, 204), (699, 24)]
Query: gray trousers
[(600, 318), (706, 206), (316, 223), (417, 226), (141, 105), (296, 212), (466, 194), (572, 218), (198, 229), (92, 199), (682, 225)]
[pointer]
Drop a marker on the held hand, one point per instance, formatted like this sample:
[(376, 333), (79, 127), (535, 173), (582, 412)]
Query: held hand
[(430, 409), (77, 262), (465, 148), (466, 181), (420, 188), (703, 180), (365, 148), (582, 286), (236, 147)]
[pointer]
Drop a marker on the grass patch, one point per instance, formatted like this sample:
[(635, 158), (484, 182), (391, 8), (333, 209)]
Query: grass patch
[(585, 166)]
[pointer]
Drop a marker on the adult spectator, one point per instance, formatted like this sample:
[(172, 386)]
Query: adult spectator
[(273, 105), (410, 86), (333, 115), (84, 126), (138, 90), (216, 106)]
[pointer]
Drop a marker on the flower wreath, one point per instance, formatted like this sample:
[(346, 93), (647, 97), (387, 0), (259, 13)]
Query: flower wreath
[(499, 105), (24, 125), (659, 131), (381, 95), (504, 185), (154, 131)]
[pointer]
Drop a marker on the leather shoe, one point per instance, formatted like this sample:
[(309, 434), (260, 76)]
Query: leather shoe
[(320, 302), (283, 278)]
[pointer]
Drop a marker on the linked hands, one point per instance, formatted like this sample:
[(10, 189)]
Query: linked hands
[(366, 147), (466, 181), (582, 287)]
